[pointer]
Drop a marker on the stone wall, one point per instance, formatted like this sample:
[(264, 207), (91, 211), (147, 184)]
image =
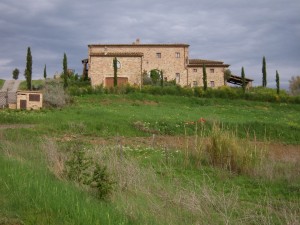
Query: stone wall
[(172, 61), (102, 67), (215, 76)]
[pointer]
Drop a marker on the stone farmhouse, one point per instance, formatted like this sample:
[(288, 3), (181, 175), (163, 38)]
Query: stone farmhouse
[(134, 59)]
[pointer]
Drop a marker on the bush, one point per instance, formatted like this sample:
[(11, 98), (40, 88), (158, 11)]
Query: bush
[(54, 94), (84, 171)]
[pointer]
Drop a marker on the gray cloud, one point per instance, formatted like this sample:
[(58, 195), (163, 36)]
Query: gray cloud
[(238, 32)]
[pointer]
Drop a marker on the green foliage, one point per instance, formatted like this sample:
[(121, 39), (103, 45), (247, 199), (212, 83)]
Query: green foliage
[(115, 64), (28, 69), (243, 80), (155, 76), (78, 167), (277, 83), (204, 78), (102, 181), (1, 83), (45, 72), (83, 170), (227, 75), (264, 72), (161, 78), (16, 73), (295, 85), (65, 70)]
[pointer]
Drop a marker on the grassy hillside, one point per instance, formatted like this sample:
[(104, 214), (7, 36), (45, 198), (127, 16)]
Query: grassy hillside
[(1, 83), (171, 177), (142, 115)]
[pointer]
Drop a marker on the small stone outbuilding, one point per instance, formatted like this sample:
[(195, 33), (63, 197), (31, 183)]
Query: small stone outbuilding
[(29, 100)]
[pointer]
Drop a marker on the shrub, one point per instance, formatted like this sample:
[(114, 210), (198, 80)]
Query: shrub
[(84, 171), (54, 94), (102, 182)]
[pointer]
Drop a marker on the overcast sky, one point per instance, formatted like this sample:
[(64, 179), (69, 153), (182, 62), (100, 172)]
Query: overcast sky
[(238, 32)]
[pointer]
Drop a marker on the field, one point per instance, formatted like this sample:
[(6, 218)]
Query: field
[(158, 150)]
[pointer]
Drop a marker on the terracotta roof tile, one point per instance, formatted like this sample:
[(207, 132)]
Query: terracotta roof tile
[(201, 62), (140, 45), (118, 54)]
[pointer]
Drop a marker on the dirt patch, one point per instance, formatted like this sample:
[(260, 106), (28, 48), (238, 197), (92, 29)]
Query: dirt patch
[(286, 153), (15, 126)]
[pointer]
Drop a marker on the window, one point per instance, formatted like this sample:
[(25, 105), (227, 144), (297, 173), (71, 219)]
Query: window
[(195, 70), (158, 55), (212, 70), (177, 78), (177, 54), (212, 83), (195, 83), (34, 97)]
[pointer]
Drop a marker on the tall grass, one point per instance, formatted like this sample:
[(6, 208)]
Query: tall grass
[(30, 194)]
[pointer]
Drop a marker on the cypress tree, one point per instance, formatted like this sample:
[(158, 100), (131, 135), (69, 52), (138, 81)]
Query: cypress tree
[(264, 72), (45, 72), (277, 82), (65, 70), (162, 79), (243, 80), (28, 69), (115, 62), (204, 77)]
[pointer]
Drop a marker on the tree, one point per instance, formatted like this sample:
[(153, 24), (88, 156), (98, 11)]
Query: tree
[(243, 80), (227, 75), (16, 73), (277, 82), (155, 76), (204, 77), (161, 78), (264, 72), (65, 70), (115, 63), (295, 85), (45, 72), (28, 69)]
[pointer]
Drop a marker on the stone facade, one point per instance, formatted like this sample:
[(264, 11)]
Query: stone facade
[(29, 100), (134, 59)]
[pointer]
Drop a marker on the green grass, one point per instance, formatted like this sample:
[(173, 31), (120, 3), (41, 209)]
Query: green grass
[(36, 83), (108, 115), (1, 83), (157, 185)]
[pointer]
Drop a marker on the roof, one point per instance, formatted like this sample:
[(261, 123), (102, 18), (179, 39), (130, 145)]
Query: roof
[(206, 62), (139, 45), (238, 80), (118, 54)]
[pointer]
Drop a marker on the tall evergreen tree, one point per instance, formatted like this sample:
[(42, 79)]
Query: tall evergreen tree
[(65, 69), (243, 80), (16, 73), (28, 69), (204, 77), (264, 72), (277, 82), (115, 63), (45, 72), (161, 78)]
